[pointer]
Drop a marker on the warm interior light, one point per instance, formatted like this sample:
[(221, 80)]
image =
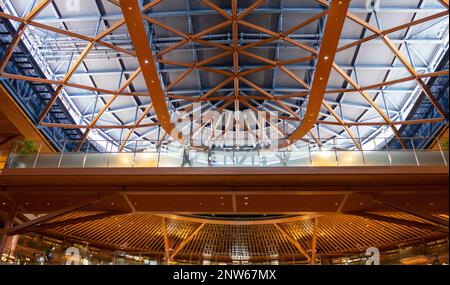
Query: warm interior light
[(324, 153)]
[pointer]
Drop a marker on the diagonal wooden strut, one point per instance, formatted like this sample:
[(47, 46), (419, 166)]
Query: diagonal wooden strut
[(384, 37), (43, 219), (444, 3), (402, 59), (73, 221), (138, 122), (371, 102), (216, 8), (186, 241), (343, 124), (20, 31), (294, 242), (75, 66), (400, 221), (419, 214), (106, 106)]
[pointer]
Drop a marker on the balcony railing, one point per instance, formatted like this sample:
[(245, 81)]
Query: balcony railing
[(374, 152)]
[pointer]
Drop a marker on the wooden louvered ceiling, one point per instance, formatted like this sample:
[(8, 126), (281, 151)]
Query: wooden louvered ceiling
[(283, 238)]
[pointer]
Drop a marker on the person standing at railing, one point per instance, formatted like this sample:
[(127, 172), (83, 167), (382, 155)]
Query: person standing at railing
[(35, 259), (19, 259), (41, 260), (49, 254), (436, 261)]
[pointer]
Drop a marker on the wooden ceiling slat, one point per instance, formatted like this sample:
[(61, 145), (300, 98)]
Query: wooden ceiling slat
[(331, 232), (337, 233)]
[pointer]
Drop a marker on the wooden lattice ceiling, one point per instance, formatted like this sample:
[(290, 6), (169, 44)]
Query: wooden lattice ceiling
[(182, 237)]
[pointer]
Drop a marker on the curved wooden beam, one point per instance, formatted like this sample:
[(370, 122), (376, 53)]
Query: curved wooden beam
[(133, 18), (202, 220), (232, 19), (332, 34)]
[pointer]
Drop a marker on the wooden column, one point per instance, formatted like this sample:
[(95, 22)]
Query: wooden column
[(314, 241), (10, 245), (7, 226), (166, 240)]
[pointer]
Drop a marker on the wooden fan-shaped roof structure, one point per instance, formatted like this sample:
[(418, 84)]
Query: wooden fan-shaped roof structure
[(182, 237)]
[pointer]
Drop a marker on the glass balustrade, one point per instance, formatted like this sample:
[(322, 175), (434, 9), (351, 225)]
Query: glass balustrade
[(374, 152)]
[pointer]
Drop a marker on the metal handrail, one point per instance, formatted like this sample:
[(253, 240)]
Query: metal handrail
[(311, 142)]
